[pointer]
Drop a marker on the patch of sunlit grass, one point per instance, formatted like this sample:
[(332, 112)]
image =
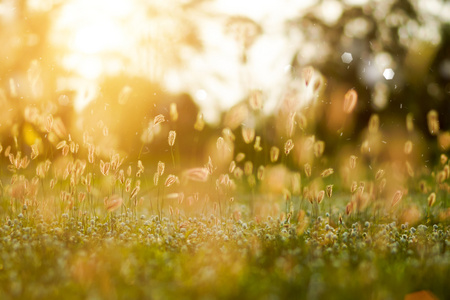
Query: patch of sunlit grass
[(265, 209)]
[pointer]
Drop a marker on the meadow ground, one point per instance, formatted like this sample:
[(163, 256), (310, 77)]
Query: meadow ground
[(265, 213)]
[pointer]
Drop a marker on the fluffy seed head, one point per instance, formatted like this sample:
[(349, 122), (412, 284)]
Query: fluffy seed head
[(255, 100), (409, 122), (65, 150), (374, 123), (274, 152), (197, 174), (365, 147), (320, 196), (161, 167), (309, 142), (220, 143), (91, 154), (361, 187), (248, 168), (228, 134), (431, 199), (348, 209), (329, 190), (158, 120), (379, 174), (327, 172), (433, 122), (128, 185), (352, 161), (318, 147), (172, 137), (224, 180), (199, 122), (288, 146), (307, 74), (104, 167), (307, 168), (302, 122), (397, 197), (140, 165), (61, 144), (236, 115), (232, 166), (49, 123), (113, 202), (81, 196), (290, 124), (58, 128), (24, 162), (408, 147), (318, 84), (257, 145), (210, 166), (7, 150), (350, 100), (446, 170), (260, 174), (74, 147), (248, 134), (171, 179), (441, 177), (423, 187), (121, 176), (409, 169), (287, 195), (135, 191), (240, 157), (238, 173)]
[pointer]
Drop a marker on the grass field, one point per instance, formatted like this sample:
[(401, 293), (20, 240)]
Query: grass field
[(256, 219)]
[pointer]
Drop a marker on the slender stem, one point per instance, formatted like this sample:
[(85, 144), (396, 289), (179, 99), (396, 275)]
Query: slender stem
[(173, 157)]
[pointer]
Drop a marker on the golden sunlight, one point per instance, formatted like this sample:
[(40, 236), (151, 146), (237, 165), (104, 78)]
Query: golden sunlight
[(93, 36), (232, 149), (184, 49), (103, 35)]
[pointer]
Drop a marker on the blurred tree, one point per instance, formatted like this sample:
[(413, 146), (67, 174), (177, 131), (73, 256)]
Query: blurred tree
[(28, 69), (402, 35)]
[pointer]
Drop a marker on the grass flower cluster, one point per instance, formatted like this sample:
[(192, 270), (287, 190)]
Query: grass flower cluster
[(212, 257), (263, 211)]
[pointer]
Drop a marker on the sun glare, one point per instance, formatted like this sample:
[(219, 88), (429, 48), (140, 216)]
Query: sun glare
[(104, 35), (146, 39), (94, 36)]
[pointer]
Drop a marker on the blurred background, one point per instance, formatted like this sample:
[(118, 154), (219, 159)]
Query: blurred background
[(117, 64)]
